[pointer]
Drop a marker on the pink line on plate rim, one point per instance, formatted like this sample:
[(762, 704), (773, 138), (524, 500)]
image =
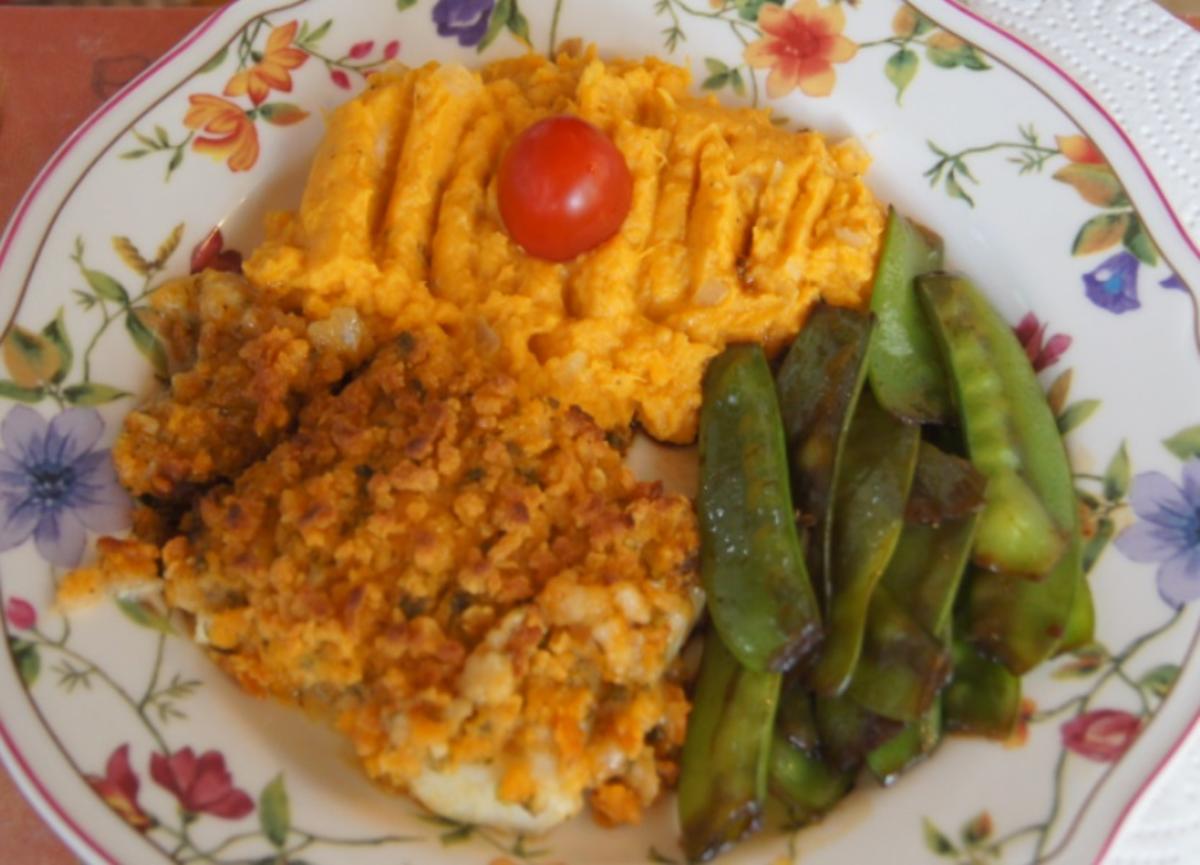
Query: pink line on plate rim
[(48, 170), (1093, 102)]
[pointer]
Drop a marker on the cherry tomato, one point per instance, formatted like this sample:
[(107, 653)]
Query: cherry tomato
[(564, 188)]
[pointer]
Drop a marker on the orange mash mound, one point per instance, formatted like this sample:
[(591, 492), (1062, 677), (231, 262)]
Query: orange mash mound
[(470, 582), (737, 227)]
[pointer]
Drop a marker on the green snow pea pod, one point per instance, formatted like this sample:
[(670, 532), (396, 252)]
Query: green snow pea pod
[(872, 487), (794, 719), (849, 732), (723, 771), (983, 698), (819, 383), (902, 666), (905, 367), (1081, 621), (751, 563), (1029, 514), (926, 570), (915, 741), (803, 783)]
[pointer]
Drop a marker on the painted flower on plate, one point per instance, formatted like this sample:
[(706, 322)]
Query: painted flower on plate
[(55, 484), (799, 46), (1080, 149), (1113, 284), (1043, 351), (1167, 531), (229, 133), (201, 784), (20, 614), (118, 786), (466, 20), (273, 71), (1102, 735)]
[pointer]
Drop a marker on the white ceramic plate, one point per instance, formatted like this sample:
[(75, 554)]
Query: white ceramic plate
[(138, 751)]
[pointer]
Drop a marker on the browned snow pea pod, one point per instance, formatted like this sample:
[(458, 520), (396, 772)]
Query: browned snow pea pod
[(869, 497), (804, 783), (926, 570), (945, 487), (723, 769), (902, 667), (819, 383), (849, 732), (760, 597), (794, 719), (915, 741), (1029, 515), (905, 367), (983, 698)]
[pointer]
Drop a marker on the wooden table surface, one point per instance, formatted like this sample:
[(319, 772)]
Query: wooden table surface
[(92, 52)]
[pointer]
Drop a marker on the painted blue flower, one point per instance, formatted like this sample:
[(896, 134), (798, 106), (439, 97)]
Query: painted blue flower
[(1168, 531), (54, 484), (465, 19), (1113, 285)]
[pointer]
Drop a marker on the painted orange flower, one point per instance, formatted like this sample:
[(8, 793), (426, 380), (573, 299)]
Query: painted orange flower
[(800, 45), (273, 70), (229, 132), (1079, 148)]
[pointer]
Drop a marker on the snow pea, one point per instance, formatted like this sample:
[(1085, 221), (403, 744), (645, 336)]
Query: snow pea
[(819, 384), (723, 772), (869, 497), (751, 563), (794, 719), (1081, 621), (926, 570), (902, 666), (945, 487), (915, 741), (849, 732), (1029, 513), (905, 368), (983, 698), (803, 783)]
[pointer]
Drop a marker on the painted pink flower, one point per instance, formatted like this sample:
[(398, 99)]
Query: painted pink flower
[(359, 50), (340, 78), (799, 46), (391, 50), (118, 786), (1042, 351), (201, 784), (21, 614), (1102, 735)]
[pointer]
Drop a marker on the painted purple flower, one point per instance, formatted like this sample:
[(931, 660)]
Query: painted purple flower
[(465, 19), (54, 485), (1113, 285), (1174, 281), (1168, 531)]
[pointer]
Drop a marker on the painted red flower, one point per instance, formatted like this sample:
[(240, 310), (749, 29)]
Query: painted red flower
[(211, 254), (273, 71), (800, 45), (1042, 351), (1079, 148), (391, 50), (1102, 735), (21, 614), (201, 784), (118, 786)]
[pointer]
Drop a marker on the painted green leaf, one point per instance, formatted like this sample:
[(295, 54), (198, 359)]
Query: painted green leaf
[(1097, 543), (141, 613), (28, 661), (1085, 661), (57, 334), (1185, 444), (946, 58), (214, 61), (499, 20), (737, 82), (715, 66), (316, 36), (105, 286), (176, 161), (971, 59), (518, 24), (748, 9), (922, 26), (1116, 476), (31, 358), (146, 341), (1059, 390), (92, 394), (936, 841), (14, 391), (1100, 232), (405, 4), (900, 69), (1159, 680), (1139, 243), (1096, 184), (955, 190), (1076, 413), (978, 829), (275, 812), (715, 82), (134, 154)]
